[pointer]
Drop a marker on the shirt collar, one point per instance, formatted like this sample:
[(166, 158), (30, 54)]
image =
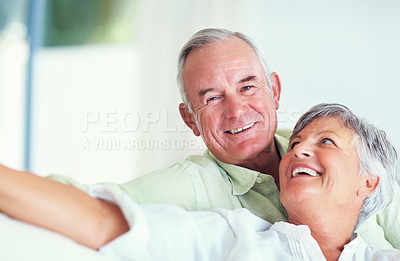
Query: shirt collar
[(243, 179)]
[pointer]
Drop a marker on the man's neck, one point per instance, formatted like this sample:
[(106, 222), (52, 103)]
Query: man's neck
[(266, 162)]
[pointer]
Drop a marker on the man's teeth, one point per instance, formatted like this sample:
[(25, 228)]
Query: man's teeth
[(241, 129), (302, 170)]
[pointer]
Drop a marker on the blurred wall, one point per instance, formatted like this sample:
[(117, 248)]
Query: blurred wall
[(14, 52), (110, 112)]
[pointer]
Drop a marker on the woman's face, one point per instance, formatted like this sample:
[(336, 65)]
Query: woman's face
[(322, 166)]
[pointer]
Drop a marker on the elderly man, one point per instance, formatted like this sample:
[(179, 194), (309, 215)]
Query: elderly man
[(230, 99)]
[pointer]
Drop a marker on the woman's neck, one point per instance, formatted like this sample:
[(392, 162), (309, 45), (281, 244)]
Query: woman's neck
[(332, 231), (331, 241)]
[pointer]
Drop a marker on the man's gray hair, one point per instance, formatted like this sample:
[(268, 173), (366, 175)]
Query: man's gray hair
[(376, 155), (205, 37)]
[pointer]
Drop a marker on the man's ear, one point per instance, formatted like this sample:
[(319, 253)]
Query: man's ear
[(369, 186), (188, 119), (276, 88)]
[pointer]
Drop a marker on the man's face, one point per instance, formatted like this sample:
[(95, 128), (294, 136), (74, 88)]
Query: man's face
[(322, 164), (234, 110)]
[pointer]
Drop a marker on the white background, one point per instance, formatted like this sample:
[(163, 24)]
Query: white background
[(324, 51)]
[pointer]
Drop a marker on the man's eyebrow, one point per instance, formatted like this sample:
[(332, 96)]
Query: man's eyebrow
[(204, 92), (248, 78)]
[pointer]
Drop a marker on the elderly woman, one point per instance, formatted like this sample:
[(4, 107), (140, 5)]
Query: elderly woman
[(339, 170)]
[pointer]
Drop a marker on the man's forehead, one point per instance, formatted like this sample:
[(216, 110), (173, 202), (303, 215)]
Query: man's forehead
[(221, 50), (217, 59)]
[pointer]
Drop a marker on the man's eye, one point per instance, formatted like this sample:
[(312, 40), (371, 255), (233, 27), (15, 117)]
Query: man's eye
[(327, 141), (246, 88), (294, 144), (212, 99)]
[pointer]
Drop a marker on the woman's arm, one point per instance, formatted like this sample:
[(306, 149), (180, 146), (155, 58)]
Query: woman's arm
[(63, 209)]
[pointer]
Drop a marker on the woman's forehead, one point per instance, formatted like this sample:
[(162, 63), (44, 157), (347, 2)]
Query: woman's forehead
[(331, 124)]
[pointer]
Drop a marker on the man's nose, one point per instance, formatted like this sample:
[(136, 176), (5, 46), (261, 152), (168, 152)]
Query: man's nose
[(234, 106)]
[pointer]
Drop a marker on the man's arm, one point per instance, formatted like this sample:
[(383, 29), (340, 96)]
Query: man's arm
[(64, 209)]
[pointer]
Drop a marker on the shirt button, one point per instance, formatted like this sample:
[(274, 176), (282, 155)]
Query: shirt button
[(258, 179)]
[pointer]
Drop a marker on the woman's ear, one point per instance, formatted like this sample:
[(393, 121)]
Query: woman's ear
[(369, 186), (188, 119)]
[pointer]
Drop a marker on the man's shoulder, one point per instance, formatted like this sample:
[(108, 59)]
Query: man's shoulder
[(195, 183), (193, 165), (282, 137), (201, 161), (202, 164), (284, 133)]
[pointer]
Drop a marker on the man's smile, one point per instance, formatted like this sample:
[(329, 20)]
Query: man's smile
[(246, 127)]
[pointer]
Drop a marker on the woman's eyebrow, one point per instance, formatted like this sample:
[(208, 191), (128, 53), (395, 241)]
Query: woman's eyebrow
[(328, 132), (294, 137), (319, 134)]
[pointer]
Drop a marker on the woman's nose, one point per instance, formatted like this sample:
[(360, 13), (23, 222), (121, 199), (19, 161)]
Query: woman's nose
[(302, 151)]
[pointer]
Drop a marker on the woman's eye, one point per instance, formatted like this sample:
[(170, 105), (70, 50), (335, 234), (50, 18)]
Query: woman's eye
[(294, 144), (327, 141)]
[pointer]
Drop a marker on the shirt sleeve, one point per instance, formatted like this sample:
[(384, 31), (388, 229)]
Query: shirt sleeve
[(177, 185), (67, 181), (390, 221), (373, 233), (165, 232), (382, 230)]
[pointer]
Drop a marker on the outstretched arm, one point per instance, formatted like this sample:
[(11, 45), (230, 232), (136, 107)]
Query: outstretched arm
[(63, 209)]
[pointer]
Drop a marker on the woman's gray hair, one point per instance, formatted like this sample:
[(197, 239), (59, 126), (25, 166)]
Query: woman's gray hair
[(376, 155), (205, 37)]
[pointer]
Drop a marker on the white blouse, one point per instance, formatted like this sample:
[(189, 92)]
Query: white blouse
[(165, 232)]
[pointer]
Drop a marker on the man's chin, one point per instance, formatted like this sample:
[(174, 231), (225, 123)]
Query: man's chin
[(247, 150), (237, 156)]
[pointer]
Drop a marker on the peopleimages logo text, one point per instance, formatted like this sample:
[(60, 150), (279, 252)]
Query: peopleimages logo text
[(132, 121)]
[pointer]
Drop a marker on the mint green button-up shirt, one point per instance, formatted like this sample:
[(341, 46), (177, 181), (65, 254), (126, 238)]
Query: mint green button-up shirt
[(204, 182)]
